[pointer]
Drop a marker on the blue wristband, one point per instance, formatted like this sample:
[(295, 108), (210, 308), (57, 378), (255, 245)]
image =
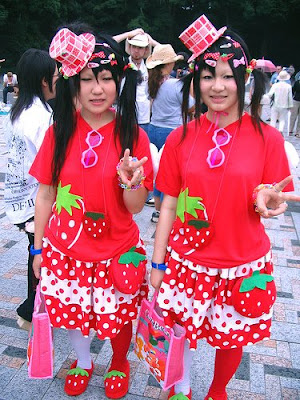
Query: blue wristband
[(161, 267), (34, 251)]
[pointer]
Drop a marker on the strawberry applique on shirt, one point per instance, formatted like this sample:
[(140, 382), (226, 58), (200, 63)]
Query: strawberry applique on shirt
[(192, 225)]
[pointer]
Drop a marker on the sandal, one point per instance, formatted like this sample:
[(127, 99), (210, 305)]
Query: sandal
[(297, 135), (77, 379), (116, 383), (179, 396)]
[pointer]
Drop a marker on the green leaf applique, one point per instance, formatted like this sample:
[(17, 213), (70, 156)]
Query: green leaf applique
[(188, 204), (257, 280), (114, 372), (78, 371), (179, 396), (65, 199), (131, 256)]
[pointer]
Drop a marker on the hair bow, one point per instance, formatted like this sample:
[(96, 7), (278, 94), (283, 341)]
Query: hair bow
[(236, 63)]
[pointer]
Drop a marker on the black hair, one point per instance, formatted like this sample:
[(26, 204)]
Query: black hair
[(155, 80), (231, 43), (33, 66), (67, 90)]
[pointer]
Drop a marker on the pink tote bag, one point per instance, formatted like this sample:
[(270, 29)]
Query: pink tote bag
[(159, 347), (40, 344)]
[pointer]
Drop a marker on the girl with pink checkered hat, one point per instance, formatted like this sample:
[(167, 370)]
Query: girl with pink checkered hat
[(94, 169), (212, 261)]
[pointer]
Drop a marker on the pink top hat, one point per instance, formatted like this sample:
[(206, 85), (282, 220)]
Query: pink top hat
[(72, 51), (200, 35)]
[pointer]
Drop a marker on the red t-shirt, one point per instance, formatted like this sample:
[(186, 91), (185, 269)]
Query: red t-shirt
[(239, 236), (98, 191)]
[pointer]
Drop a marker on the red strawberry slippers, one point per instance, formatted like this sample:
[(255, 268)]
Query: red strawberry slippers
[(77, 379), (116, 383), (179, 396), (254, 296)]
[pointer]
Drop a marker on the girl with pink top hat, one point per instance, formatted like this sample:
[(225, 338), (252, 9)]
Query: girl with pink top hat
[(94, 169), (212, 261)]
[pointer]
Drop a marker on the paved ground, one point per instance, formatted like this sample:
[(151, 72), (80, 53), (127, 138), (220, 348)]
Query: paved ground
[(269, 370)]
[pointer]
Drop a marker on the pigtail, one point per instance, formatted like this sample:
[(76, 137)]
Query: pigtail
[(260, 81), (64, 122), (126, 117), (192, 78)]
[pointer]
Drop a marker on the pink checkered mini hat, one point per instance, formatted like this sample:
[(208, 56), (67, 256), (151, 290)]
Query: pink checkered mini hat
[(72, 51), (200, 35)]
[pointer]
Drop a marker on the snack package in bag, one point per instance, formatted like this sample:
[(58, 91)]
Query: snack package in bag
[(40, 344), (159, 347)]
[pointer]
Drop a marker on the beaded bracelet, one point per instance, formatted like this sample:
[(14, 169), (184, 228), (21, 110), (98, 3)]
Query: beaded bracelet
[(260, 187), (124, 185)]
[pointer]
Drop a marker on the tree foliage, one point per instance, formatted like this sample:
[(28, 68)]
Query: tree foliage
[(269, 27)]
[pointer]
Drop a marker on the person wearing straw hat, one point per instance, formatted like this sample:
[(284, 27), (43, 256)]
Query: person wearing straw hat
[(283, 100), (87, 247), (166, 95), (212, 260)]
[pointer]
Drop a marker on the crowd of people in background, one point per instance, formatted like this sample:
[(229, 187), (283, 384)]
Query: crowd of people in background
[(74, 185)]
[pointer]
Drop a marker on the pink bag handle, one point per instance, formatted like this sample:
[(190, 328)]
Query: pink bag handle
[(39, 301), (153, 302)]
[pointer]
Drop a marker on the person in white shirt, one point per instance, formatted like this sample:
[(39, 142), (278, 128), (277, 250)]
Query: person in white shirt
[(139, 45), (27, 123), (281, 92)]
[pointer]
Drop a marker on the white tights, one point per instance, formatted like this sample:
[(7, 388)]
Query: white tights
[(185, 385), (81, 346)]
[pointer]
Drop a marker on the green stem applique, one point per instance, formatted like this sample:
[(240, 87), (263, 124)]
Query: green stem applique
[(78, 371), (114, 372), (257, 280), (188, 204), (132, 256), (65, 199)]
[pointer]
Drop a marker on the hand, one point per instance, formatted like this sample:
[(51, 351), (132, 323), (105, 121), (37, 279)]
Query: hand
[(36, 266), (135, 32), (270, 202), (156, 278), (131, 169)]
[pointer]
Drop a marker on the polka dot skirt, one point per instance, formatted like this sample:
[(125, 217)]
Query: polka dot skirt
[(199, 298), (81, 295)]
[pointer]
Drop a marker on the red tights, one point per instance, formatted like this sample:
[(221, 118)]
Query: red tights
[(226, 364), (120, 345)]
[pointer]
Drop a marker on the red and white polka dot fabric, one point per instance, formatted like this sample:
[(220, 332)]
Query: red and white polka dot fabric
[(81, 295), (200, 299)]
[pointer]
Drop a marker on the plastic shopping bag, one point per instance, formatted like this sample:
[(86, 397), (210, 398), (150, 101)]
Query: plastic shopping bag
[(159, 347), (40, 344)]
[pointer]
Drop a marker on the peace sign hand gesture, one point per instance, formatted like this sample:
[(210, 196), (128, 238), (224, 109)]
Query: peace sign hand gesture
[(131, 170), (271, 202)]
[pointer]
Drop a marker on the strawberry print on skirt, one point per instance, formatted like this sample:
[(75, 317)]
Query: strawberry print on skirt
[(81, 295), (200, 299)]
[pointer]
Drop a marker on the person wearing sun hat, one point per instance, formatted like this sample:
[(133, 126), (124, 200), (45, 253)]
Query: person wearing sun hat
[(283, 100), (166, 95), (212, 261)]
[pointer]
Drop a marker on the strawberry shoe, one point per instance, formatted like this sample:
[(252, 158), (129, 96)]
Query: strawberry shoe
[(179, 396), (77, 379), (116, 382)]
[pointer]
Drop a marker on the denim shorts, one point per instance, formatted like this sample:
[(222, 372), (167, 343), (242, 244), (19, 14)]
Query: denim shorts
[(158, 135)]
